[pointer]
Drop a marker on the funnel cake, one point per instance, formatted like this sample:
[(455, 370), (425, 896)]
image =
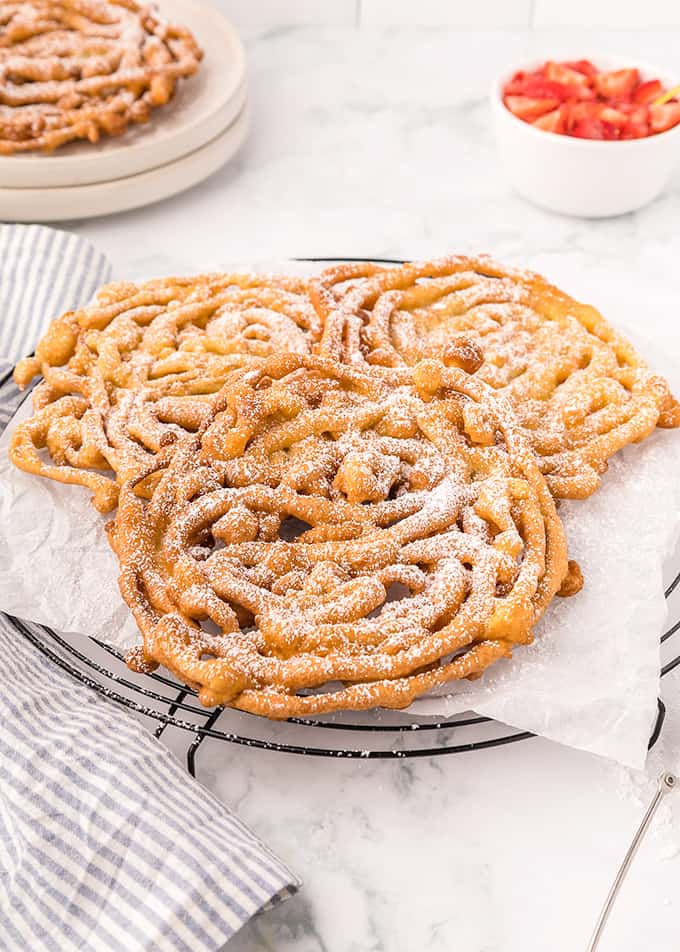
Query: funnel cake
[(123, 378), (80, 69), (579, 389), (333, 540)]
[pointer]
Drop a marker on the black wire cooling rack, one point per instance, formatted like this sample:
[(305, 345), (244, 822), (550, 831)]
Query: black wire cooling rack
[(371, 735)]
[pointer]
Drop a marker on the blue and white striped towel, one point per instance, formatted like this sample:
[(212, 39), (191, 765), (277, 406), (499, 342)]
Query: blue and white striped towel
[(105, 842), (43, 273)]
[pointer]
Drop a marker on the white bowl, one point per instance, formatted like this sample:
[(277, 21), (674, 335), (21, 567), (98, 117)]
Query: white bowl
[(585, 177)]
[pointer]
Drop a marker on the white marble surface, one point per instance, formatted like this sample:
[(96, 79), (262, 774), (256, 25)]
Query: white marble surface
[(378, 142)]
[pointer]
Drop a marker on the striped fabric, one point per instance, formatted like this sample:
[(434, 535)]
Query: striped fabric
[(43, 273), (105, 842), (9, 393)]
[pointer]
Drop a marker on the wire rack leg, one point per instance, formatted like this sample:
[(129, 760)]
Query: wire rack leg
[(200, 737), (667, 782), (171, 711), (658, 724)]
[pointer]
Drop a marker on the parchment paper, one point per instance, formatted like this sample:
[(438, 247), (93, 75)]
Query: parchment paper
[(590, 680)]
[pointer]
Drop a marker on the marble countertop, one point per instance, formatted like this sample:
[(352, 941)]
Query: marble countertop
[(379, 143)]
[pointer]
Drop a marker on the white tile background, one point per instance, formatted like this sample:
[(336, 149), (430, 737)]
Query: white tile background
[(263, 15), (494, 14), (620, 13), (251, 15)]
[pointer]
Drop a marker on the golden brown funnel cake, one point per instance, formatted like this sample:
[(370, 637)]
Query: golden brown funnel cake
[(579, 389), (332, 539), (125, 376), (80, 69)]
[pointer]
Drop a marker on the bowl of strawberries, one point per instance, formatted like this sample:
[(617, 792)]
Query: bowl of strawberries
[(588, 137)]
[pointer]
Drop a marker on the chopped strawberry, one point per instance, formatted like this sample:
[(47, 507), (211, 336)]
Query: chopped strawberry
[(515, 85), (539, 88), (560, 73), (584, 92), (574, 98), (578, 111), (614, 117), (528, 109), (647, 92), (536, 87), (554, 121), (618, 84), (638, 122), (582, 66), (593, 129), (664, 117)]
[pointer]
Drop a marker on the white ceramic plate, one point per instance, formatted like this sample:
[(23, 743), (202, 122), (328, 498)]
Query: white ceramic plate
[(203, 106), (119, 195)]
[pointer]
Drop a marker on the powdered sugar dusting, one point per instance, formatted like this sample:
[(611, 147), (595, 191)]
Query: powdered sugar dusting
[(387, 490)]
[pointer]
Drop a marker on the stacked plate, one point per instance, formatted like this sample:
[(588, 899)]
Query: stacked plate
[(185, 141)]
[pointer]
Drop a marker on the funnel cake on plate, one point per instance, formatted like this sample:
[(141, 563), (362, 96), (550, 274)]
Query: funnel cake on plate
[(80, 69), (579, 389), (332, 539), (123, 378)]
